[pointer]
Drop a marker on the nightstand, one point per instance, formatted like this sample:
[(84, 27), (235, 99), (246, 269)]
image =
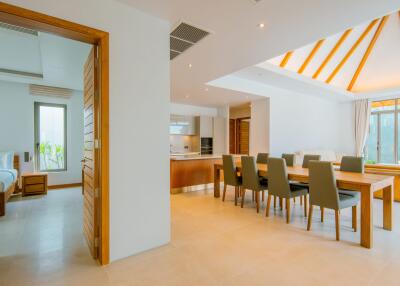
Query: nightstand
[(34, 183)]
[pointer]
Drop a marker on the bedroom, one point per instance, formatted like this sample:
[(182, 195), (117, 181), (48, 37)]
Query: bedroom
[(41, 141)]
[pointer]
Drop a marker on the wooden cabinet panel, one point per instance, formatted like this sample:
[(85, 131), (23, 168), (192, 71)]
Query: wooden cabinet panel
[(39, 188), (186, 173), (34, 180)]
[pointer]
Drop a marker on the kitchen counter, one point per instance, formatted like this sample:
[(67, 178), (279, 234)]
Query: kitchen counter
[(198, 157)]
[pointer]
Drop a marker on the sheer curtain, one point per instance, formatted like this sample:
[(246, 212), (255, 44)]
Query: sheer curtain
[(362, 114)]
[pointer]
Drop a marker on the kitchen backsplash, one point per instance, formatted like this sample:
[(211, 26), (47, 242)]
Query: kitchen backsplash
[(181, 143)]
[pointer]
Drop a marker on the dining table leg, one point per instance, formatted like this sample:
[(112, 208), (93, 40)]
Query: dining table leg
[(217, 181), (387, 207), (366, 217)]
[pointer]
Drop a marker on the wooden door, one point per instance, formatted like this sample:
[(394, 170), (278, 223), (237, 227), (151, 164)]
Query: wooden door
[(232, 136), (244, 131), (90, 160)]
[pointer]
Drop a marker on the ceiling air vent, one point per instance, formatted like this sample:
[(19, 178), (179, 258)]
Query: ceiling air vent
[(183, 37), (18, 29)]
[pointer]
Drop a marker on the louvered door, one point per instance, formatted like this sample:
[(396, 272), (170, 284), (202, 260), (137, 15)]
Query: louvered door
[(244, 128), (90, 161)]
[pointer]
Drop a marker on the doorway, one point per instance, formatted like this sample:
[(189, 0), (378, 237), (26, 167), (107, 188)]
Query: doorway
[(96, 109), (239, 129)]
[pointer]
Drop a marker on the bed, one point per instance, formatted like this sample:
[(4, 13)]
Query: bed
[(8, 182)]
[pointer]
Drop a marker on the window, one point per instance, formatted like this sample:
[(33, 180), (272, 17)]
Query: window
[(383, 140), (50, 137)]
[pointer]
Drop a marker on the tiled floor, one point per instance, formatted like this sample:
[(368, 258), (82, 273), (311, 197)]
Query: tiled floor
[(213, 243)]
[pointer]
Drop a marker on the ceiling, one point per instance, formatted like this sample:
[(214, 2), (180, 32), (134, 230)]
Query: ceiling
[(41, 58), (381, 68), (237, 43)]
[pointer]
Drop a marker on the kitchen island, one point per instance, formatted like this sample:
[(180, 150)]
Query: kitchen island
[(192, 172)]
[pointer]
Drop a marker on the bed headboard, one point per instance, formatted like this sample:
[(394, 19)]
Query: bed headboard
[(16, 162)]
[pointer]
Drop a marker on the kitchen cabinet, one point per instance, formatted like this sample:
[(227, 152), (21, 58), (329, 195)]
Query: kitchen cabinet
[(182, 125), (219, 135), (206, 127)]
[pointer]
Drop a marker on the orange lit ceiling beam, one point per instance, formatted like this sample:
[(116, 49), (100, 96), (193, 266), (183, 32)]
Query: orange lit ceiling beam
[(368, 52), (332, 53), (351, 51), (311, 56)]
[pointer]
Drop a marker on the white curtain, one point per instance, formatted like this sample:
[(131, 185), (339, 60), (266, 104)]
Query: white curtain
[(362, 114)]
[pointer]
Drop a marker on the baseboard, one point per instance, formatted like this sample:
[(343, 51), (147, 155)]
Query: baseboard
[(65, 186)]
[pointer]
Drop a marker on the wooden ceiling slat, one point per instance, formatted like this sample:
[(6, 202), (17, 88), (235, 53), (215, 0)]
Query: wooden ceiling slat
[(351, 51), (332, 52), (368, 52), (286, 59), (311, 56)]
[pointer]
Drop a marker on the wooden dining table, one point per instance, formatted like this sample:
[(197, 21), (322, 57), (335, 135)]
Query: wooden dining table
[(366, 184)]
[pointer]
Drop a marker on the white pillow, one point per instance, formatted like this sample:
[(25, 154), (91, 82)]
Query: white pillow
[(6, 160)]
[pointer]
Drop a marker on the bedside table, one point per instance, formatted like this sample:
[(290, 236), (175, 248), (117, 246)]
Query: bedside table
[(34, 183)]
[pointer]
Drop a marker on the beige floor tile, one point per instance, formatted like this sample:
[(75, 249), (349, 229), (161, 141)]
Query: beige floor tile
[(213, 243)]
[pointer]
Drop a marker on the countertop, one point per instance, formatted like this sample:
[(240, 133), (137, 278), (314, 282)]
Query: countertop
[(198, 157)]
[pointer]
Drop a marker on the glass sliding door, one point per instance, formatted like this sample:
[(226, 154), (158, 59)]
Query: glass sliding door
[(383, 141), (387, 138), (372, 141), (50, 137)]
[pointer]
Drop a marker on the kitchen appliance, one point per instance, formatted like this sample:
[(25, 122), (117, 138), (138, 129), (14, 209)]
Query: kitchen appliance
[(206, 146)]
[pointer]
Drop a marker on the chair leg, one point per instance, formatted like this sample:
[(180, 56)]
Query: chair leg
[(253, 196), (258, 201), (305, 204), (236, 194), (301, 201), (223, 196), (268, 206), (322, 214), (243, 195), (287, 210), (354, 218), (337, 223), (263, 195), (294, 200), (281, 203), (310, 212), (274, 202)]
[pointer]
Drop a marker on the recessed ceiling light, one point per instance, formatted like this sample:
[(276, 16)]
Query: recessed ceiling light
[(261, 25), (190, 66)]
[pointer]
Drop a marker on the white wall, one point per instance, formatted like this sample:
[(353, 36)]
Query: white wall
[(300, 122), (139, 116), (186, 109), (259, 126), (17, 128)]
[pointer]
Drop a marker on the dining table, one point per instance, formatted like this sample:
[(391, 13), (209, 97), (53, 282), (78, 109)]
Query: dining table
[(365, 183)]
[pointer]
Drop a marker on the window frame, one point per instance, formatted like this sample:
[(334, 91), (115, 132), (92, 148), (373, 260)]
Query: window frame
[(37, 106), (395, 112)]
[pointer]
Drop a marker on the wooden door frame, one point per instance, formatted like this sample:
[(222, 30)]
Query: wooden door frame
[(40, 22)]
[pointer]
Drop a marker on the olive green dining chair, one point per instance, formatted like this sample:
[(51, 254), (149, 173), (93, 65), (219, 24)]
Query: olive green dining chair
[(289, 158), (351, 164), (262, 158), (307, 158), (251, 179), (324, 193), (279, 186), (231, 177)]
